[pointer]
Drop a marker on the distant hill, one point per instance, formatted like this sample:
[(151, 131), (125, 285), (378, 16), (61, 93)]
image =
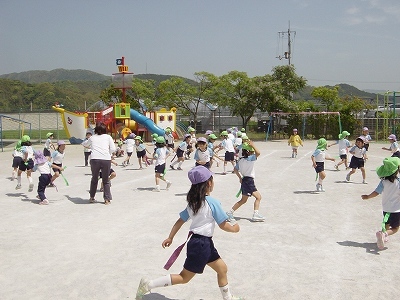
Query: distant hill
[(81, 76), (40, 76)]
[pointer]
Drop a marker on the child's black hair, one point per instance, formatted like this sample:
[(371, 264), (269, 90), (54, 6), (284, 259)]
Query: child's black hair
[(392, 177), (28, 143), (245, 153), (197, 195), (160, 145)]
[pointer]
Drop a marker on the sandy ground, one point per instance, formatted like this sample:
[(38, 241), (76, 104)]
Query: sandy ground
[(311, 246)]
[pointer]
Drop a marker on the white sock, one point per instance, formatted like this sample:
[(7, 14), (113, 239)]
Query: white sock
[(256, 211), (19, 179), (226, 294), (160, 282), (180, 164), (14, 174), (224, 168), (30, 179), (174, 163), (158, 187)]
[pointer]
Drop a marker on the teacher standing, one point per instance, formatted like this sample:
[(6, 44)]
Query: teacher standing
[(102, 146)]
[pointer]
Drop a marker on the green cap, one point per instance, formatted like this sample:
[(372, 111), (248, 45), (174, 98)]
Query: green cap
[(49, 134), (244, 136), (25, 138), (212, 136), (343, 134), (224, 133), (243, 130), (154, 135), (246, 146), (160, 140), (321, 144), (389, 167), (138, 137)]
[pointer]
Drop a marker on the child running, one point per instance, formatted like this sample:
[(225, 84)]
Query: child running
[(169, 139), (389, 187), (57, 157), (318, 159), (141, 151), (43, 166), (17, 158), (130, 144), (211, 140), (86, 149), (394, 146), (344, 144), (160, 156), (244, 169), (367, 137), (205, 212), (295, 141), (358, 159), (26, 163), (180, 152), (48, 145), (203, 154), (227, 145)]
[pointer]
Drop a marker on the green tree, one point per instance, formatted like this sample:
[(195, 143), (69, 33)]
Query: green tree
[(290, 82), (329, 97)]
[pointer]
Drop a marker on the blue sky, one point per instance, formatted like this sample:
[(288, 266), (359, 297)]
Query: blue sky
[(341, 41)]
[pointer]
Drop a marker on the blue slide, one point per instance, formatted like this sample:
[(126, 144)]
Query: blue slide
[(146, 122)]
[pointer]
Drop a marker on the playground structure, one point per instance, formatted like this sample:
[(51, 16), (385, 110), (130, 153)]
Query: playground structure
[(120, 119)]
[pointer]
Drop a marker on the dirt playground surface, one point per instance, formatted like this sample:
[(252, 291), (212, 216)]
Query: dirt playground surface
[(311, 246)]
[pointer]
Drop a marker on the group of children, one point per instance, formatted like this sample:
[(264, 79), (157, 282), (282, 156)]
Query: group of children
[(26, 159)]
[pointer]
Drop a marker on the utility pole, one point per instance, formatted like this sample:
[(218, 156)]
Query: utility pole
[(287, 54)]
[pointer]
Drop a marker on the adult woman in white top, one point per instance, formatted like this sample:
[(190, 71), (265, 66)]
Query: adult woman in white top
[(102, 146)]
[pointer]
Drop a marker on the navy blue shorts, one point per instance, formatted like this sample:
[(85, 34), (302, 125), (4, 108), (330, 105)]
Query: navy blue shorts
[(46, 152), (200, 251), (394, 219), (129, 154), (229, 156), (26, 166), (160, 169), (179, 153), (396, 154), (343, 156), (57, 170), (356, 163), (16, 161), (248, 186), (366, 146), (320, 167), (140, 154), (207, 165)]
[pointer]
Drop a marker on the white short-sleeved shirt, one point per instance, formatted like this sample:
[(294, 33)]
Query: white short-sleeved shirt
[(390, 195), (183, 146), (319, 155), (28, 150), (130, 144), (47, 144), (246, 166), (227, 144), (57, 157), (161, 154), (343, 145), (203, 222), (394, 147), (44, 168), (203, 155), (140, 147), (358, 152)]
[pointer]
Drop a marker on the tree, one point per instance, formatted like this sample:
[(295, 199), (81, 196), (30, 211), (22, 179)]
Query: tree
[(144, 93), (188, 98), (327, 96), (291, 83)]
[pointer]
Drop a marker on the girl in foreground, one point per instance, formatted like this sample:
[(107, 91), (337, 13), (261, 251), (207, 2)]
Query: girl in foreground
[(204, 211)]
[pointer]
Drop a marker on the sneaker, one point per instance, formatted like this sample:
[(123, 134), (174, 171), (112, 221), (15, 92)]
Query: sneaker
[(168, 185), (30, 187), (231, 218), (318, 186), (18, 186), (257, 218), (348, 177), (337, 167), (143, 289), (44, 202), (179, 168), (156, 190), (51, 185), (365, 182), (92, 200), (321, 189), (237, 298), (292, 155), (223, 173), (380, 240), (107, 202), (172, 167)]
